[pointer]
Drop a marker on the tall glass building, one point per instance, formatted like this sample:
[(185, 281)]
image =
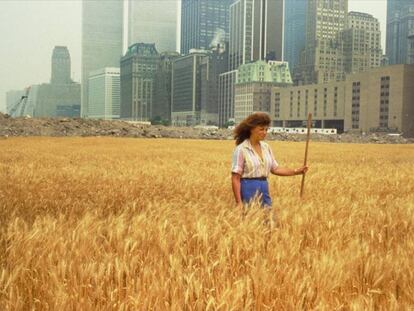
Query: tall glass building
[(102, 38), (204, 23), (400, 24), (256, 31), (294, 31), (153, 21), (60, 66)]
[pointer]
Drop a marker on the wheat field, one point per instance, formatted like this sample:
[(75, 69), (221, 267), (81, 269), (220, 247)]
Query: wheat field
[(137, 224)]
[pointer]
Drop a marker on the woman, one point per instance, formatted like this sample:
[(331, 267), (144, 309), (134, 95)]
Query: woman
[(253, 160)]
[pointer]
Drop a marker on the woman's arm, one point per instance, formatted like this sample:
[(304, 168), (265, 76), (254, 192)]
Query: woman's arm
[(235, 183), (284, 171)]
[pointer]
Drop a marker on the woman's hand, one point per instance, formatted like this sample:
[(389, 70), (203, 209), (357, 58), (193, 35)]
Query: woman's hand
[(301, 170)]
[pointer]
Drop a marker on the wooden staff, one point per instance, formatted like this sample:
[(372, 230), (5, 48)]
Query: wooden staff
[(306, 153)]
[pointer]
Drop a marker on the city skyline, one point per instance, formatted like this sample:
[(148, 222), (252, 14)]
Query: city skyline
[(50, 29)]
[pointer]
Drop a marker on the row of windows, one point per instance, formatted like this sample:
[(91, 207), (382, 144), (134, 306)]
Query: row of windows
[(384, 103)]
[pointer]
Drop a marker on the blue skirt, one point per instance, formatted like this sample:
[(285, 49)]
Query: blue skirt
[(250, 188)]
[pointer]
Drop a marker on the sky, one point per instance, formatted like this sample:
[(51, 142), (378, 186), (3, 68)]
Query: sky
[(30, 29)]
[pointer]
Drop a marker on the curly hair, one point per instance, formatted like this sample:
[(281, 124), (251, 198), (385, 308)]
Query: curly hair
[(242, 130)]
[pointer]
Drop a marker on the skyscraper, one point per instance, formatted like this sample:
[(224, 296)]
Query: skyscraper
[(102, 37), (256, 31), (400, 24), (60, 97), (60, 65), (195, 81), (153, 21), (294, 31), (186, 89), (104, 94), (210, 69), (322, 59), (161, 108), (361, 43), (138, 72), (203, 23)]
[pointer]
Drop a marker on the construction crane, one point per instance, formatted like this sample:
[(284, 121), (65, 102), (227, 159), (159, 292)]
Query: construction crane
[(18, 109)]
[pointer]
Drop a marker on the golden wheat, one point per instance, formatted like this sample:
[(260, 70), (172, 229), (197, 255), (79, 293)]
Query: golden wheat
[(134, 224)]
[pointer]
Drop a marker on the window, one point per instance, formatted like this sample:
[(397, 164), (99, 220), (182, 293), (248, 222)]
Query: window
[(356, 88), (384, 102)]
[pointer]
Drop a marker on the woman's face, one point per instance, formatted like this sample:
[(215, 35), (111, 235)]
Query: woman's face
[(259, 132)]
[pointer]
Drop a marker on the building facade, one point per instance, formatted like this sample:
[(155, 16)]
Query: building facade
[(204, 23), (322, 60), (400, 24), (153, 21), (294, 31), (291, 105), (256, 31), (211, 67), (102, 39), (361, 43), (104, 94), (195, 87), (227, 81), (61, 97), (186, 90), (61, 66), (57, 100), (254, 85), (138, 72), (379, 99), (161, 108)]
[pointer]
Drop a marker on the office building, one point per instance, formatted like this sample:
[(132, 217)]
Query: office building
[(361, 43), (361, 103), (61, 66), (294, 31), (61, 97), (227, 82), (104, 94), (195, 86), (161, 108), (204, 23), (291, 105), (322, 59), (254, 85), (153, 21), (53, 99), (138, 72), (211, 67), (256, 31), (400, 24), (102, 39), (186, 89)]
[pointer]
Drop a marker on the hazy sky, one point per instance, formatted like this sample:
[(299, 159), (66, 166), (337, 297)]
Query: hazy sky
[(30, 29)]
